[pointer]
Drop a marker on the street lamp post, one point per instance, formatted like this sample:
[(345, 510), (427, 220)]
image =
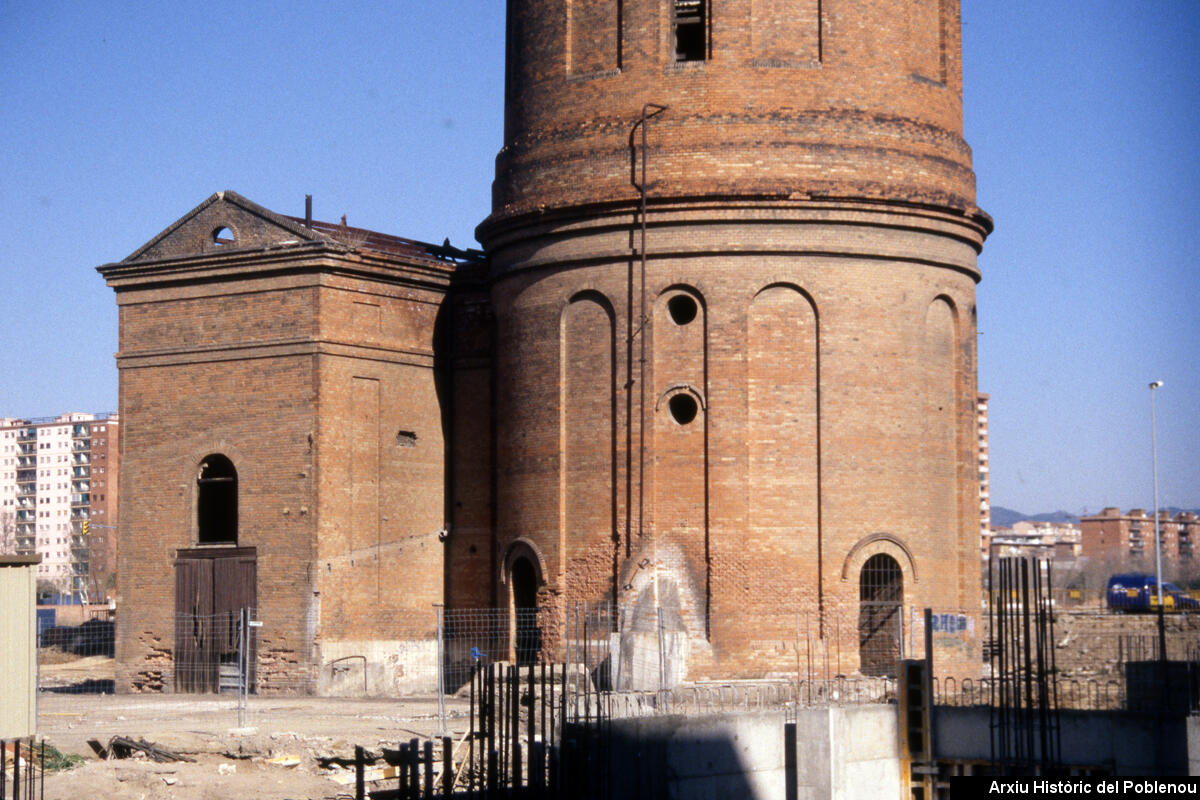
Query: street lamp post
[(1162, 633), (1154, 460)]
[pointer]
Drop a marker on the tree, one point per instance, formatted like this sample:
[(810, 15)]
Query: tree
[(8, 532)]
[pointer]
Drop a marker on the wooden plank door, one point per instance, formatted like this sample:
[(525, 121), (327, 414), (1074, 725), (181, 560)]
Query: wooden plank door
[(212, 585), (194, 668), (234, 588)]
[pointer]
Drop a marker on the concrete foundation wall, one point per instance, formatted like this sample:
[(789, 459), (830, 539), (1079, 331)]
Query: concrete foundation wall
[(848, 753), (1125, 742), (1193, 738), (842, 754)]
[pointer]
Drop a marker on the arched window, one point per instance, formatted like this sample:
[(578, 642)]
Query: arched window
[(880, 595), (216, 501), (528, 643)]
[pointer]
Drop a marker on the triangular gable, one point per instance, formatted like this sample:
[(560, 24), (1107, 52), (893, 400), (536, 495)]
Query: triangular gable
[(225, 222)]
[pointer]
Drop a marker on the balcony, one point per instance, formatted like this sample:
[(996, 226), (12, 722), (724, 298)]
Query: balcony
[(80, 458), (81, 486), (26, 514), (26, 475), (81, 500), (27, 435), (79, 513), (81, 472), (27, 449), (81, 445), (81, 431)]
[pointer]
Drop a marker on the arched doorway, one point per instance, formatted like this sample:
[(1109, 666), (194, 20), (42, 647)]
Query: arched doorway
[(527, 637), (214, 582), (880, 599)]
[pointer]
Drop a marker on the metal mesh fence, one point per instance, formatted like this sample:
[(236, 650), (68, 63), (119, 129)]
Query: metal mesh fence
[(216, 653), (472, 636), (76, 658), (617, 649), (624, 650), (643, 663), (1090, 695)]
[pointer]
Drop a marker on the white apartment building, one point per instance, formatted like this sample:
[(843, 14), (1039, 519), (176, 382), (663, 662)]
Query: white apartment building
[(48, 471), (985, 497)]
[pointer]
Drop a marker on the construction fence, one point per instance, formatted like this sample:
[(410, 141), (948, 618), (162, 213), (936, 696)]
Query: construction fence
[(791, 658), (76, 657), (621, 649)]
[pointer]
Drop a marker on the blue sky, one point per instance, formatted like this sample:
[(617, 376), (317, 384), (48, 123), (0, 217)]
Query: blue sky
[(1083, 116)]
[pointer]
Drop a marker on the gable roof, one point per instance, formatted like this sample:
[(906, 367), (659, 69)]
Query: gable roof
[(225, 221)]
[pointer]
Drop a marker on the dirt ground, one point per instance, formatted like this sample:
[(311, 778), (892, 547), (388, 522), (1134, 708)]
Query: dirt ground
[(273, 757)]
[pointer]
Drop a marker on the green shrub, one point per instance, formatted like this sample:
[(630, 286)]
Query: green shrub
[(56, 760)]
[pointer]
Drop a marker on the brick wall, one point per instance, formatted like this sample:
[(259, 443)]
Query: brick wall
[(850, 98), (811, 203), (834, 375), (811, 194), (310, 365)]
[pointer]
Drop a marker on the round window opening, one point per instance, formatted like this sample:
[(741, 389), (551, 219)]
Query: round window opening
[(683, 408), (222, 236), (682, 309)]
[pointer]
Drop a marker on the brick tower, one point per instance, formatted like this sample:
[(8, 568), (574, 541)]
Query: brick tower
[(733, 264)]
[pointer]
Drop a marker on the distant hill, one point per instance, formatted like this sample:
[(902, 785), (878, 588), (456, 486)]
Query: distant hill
[(1005, 517)]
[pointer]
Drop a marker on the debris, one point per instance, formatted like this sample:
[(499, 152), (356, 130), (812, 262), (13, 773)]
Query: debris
[(369, 775), (121, 747), (285, 761), (326, 762), (226, 769)]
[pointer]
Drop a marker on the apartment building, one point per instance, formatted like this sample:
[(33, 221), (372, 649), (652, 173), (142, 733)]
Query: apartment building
[(1057, 540), (1128, 538), (985, 499), (58, 496)]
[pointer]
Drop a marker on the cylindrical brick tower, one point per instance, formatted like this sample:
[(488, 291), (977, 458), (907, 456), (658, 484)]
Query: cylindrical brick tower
[(746, 413)]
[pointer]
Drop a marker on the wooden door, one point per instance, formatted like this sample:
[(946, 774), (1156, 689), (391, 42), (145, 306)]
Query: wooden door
[(212, 585)]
